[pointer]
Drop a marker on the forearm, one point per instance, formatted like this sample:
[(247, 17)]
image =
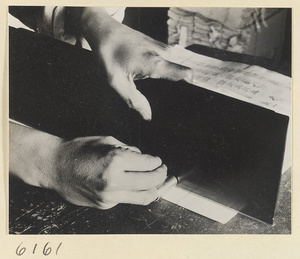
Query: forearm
[(90, 171), (92, 23), (32, 155), (70, 24)]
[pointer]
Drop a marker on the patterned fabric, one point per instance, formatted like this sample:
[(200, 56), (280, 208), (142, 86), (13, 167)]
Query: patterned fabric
[(223, 28)]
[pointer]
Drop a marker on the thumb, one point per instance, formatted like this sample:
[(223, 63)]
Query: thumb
[(165, 69), (125, 87)]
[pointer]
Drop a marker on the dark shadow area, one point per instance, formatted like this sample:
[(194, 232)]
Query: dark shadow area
[(233, 149)]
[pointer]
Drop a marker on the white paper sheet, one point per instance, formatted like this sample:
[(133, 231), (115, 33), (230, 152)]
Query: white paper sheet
[(251, 84), (200, 205)]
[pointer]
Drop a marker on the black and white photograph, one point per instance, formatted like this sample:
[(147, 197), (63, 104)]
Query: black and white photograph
[(149, 120)]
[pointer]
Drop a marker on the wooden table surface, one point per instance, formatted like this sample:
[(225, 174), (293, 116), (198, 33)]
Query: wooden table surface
[(37, 211)]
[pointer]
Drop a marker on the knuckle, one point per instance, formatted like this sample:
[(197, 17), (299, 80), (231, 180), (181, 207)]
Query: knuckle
[(102, 184), (110, 180), (130, 103), (133, 148), (134, 102), (109, 139), (158, 64), (116, 156), (106, 181), (112, 177), (112, 183)]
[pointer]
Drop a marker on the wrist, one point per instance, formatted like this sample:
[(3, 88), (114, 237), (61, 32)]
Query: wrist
[(44, 168), (32, 155), (93, 23)]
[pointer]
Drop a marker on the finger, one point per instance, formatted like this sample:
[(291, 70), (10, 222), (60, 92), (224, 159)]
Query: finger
[(131, 197), (171, 71), (118, 144), (141, 181), (157, 46), (131, 148), (162, 49), (109, 140), (126, 88), (132, 161)]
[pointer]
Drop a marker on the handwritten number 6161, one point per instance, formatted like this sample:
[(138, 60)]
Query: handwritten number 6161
[(46, 249)]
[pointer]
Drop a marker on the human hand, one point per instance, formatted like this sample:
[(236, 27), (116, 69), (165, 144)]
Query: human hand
[(128, 55), (101, 172)]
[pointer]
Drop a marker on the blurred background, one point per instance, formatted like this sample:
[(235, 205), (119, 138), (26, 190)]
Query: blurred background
[(264, 32)]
